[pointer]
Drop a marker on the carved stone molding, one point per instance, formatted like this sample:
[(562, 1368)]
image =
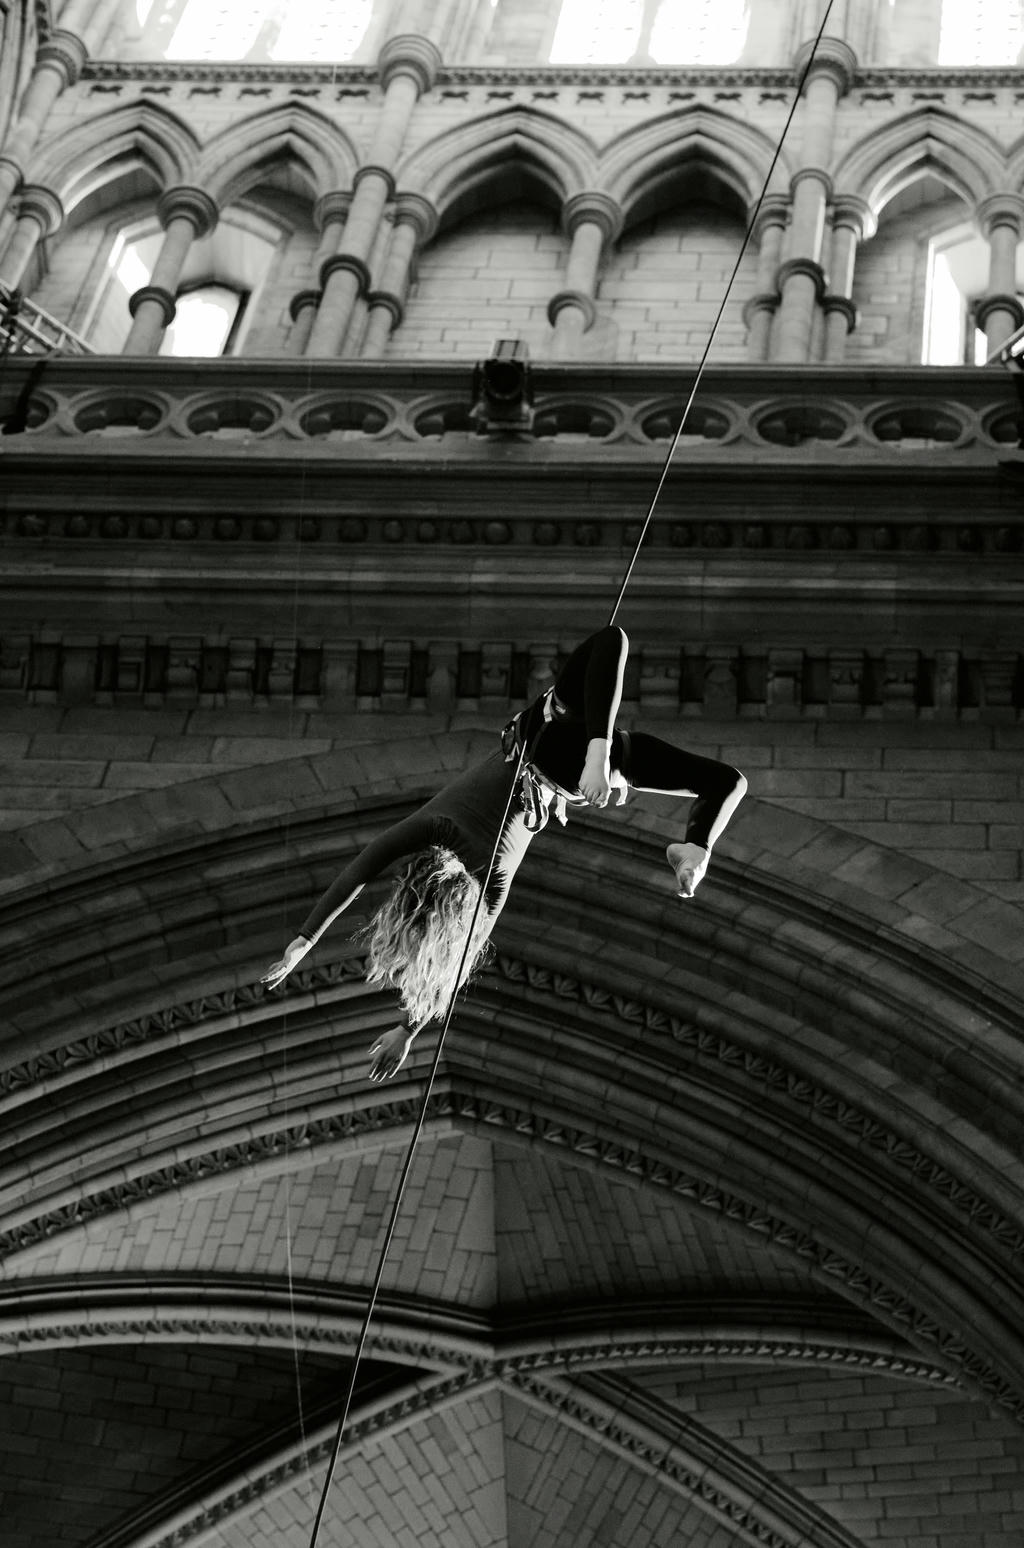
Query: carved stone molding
[(577, 299), (65, 52), (191, 204), (595, 208), (346, 263), (156, 293), (410, 54)]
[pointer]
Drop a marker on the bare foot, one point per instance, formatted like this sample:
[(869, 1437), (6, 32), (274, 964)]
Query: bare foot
[(689, 861), (595, 781)]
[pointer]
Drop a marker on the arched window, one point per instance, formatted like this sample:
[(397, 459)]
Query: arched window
[(665, 32), (206, 321), (957, 277), (981, 32)]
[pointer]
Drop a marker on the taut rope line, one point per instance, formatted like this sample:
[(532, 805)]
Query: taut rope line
[(421, 1119)]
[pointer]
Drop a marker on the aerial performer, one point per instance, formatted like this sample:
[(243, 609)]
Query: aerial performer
[(572, 755)]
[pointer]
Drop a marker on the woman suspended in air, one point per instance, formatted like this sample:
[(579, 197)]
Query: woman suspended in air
[(573, 756)]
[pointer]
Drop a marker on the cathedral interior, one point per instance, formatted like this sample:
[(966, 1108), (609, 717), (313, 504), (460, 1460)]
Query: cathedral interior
[(344, 349)]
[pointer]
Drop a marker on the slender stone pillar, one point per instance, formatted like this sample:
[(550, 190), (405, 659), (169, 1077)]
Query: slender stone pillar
[(763, 304), (58, 64), (408, 68), (999, 312), (39, 214), (852, 223), (591, 219), (415, 224), (801, 279), (329, 215), (185, 213)]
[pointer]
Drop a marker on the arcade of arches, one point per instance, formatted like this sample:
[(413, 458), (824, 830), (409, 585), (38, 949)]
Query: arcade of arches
[(714, 1235)]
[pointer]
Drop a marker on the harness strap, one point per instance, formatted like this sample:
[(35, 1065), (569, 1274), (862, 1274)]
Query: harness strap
[(533, 786)]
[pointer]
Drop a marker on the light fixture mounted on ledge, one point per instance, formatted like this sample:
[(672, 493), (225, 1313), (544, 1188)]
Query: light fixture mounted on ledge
[(502, 390)]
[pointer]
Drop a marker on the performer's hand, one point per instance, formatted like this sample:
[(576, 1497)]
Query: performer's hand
[(278, 971), (389, 1052)]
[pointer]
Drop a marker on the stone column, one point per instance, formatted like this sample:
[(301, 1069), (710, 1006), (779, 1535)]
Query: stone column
[(39, 214), (408, 68), (852, 223), (1000, 312), (761, 308), (329, 215), (801, 279), (185, 213), (415, 224), (591, 220), (58, 64)]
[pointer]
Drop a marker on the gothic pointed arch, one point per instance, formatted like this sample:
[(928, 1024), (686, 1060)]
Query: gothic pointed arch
[(639, 166), (141, 137), (813, 996), (510, 148), (928, 140), (290, 136)]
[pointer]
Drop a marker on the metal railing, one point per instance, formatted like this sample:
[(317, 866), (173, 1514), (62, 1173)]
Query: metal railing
[(25, 329)]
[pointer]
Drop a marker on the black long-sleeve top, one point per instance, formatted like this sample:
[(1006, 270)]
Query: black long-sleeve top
[(464, 817)]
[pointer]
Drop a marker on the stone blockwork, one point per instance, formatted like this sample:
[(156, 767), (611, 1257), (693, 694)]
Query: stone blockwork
[(715, 1226)]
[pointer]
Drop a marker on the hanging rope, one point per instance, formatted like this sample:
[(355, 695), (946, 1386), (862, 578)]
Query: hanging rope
[(747, 236), (407, 1168), (421, 1118)]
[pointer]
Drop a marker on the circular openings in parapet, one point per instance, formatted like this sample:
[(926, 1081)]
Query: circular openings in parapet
[(232, 416), (795, 424), (704, 422), (119, 414), (440, 419), (574, 420), (345, 419), (913, 425)]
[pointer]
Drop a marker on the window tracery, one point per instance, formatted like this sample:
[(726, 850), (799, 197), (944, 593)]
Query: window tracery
[(275, 30)]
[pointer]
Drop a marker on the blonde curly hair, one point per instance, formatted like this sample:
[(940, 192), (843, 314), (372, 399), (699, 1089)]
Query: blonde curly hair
[(417, 937)]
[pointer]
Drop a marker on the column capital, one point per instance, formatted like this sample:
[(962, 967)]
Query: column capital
[(595, 208), (409, 53), (333, 206), (856, 213), (41, 205), (811, 174), (414, 210), (65, 52), (192, 204), (390, 303), (766, 301), (345, 263), (984, 308), (842, 305), (805, 266), (833, 57), (999, 209), (573, 298), (371, 170), (156, 293), (774, 211), (301, 300)]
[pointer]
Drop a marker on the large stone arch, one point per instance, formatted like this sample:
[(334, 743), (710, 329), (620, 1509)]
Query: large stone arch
[(814, 991), (143, 136), (931, 140), (462, 167), (290, 134)]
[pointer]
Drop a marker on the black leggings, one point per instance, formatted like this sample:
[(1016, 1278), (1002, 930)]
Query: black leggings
[(587, 693)]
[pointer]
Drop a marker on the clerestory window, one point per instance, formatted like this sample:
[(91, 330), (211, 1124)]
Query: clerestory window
[(958, 263), (981, 32), (279, 30), (665, 32)]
